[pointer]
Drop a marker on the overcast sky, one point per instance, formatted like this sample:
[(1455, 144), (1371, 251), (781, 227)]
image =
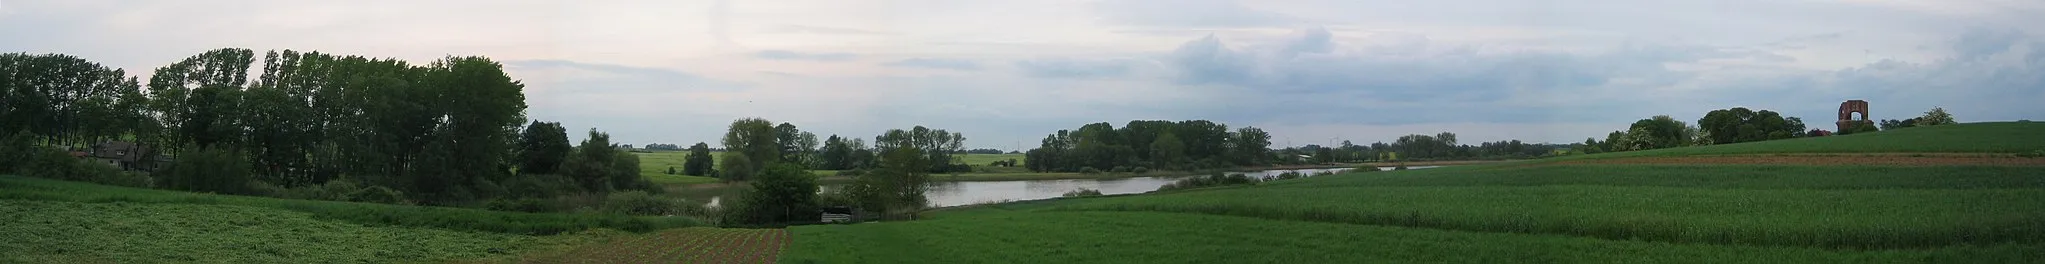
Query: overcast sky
[(1005, 73)]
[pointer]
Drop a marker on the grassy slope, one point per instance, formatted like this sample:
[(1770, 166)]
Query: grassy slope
[(122, 232), (653, 166), (2000, 137), (1488, 213), (35, 189)]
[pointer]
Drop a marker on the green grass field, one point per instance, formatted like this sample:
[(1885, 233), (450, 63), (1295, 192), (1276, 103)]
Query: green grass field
[(1526, 211), (1998, 137), (653, 166), (68, 222)]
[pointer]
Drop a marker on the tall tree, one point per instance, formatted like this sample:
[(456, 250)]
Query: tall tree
[(836, 154), (698, 161), (542, 148), (1167, 152), (1252, 146), (757, 140)]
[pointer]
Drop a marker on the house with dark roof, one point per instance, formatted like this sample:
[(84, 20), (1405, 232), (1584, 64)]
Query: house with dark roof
[(122, 154)]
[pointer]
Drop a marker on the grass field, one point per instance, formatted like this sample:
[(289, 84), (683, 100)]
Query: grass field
[(1528, 211)]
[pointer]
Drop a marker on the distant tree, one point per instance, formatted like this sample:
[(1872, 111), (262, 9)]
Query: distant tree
[(783, 193), (757, 140), (1660, 132), (698, 161), (1818, 133), (1167, 152), (1859, 127), (1889, 124), (737, 167), (1251, 146), (1937, 116), (590, 166), (897, 186), (542, 148)]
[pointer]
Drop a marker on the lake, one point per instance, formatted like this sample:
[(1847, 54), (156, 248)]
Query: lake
[(956, 193)]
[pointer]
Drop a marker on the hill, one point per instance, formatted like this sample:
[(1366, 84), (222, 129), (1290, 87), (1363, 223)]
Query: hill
[(1563, 210)]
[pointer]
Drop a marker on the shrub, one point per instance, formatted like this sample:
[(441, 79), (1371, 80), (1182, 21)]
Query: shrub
[(16, 149), (1082, 192), (208, 170), (1140, 170), (637, 203), (1367, 168), (1216, 179), (852, 172), (1088, 170), (378, 194), (1120, 169), (1288, 175), (1400, 167), (529, 205)]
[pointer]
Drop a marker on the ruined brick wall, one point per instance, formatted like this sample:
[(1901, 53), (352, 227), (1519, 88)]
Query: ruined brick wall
[(1846, 110)]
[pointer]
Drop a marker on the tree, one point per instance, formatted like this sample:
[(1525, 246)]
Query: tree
[(836, 154), (698, 161), (1937, 116), (542, 148), (898, 186), (1167, 152), (736, 167), (783, 193), (1658, 132), (590, 165), (757, 140), (1251, 146)]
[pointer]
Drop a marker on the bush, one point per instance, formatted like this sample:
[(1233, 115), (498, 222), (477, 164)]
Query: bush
[(1088, 170), (637, 203), (1082, 192), (208, 170), (1216, 179), (1121, 169), (529, 205), (378, 194), (16, 149), (1140, 170), (852, 172), (1288, 176), (1400, 167), (1367, 168)]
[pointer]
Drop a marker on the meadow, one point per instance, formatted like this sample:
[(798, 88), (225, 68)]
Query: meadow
[(1528, 211), (369, 214)]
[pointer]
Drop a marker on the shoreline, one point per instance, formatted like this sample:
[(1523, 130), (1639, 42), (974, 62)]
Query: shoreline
[(1024, 176)]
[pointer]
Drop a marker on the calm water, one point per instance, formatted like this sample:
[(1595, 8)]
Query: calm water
[(942, 194)]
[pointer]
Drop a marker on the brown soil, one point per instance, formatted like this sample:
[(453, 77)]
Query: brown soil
[(687, 245), (1839, 159)]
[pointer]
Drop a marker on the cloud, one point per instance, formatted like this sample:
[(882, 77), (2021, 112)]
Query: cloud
[(719, 21), (1981, 42), (949, 64), (1190, 13), (801, 29), (1070, 68), (792, 55), (596, 78)]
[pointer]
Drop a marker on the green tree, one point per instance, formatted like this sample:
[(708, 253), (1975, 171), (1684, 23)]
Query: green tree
[(590, 165), (783, 193), (754, 138), (698, 161), (208, 169), (543, 146), (1167, 152), (1937, 116), (737, 167), (1252, 146), (836, 154)]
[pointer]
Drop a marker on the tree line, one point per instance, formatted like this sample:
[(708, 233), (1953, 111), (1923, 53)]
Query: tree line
[(889, 178), (441, 133), (1734, 125), (1190, 144)]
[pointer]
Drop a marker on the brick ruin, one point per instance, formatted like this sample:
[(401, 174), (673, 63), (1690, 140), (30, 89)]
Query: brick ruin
[(1846, 111)]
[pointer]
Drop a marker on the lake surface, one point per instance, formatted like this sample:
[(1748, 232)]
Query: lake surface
[(943, 194)]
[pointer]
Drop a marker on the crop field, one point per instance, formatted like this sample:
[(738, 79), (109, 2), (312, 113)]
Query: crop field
[(686, 245), (1952, 194), (1999, 137)]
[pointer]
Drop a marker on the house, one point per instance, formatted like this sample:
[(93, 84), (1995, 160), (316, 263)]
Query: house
[(121, 154), (837, 214)]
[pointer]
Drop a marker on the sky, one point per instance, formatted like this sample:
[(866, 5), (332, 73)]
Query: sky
[(1007, 73)]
